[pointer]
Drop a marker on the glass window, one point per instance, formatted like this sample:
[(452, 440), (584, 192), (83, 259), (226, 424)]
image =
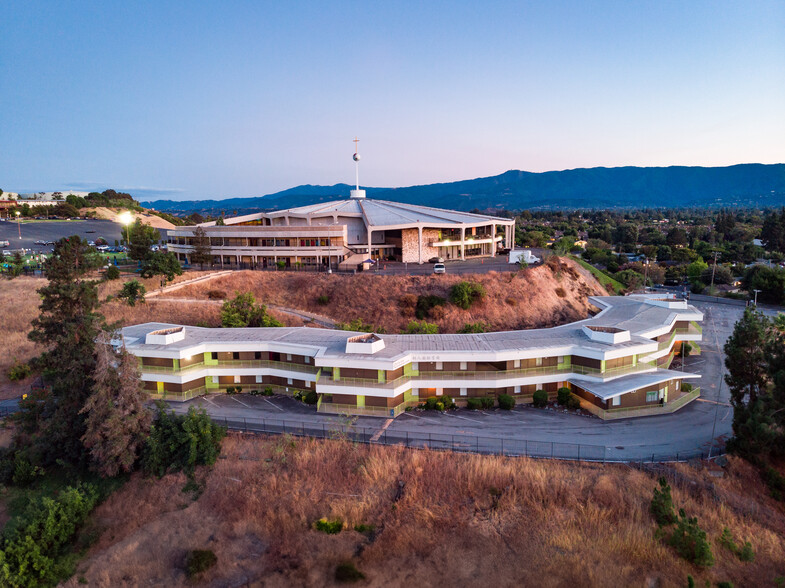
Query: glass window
[(616, 401), (651, 396)]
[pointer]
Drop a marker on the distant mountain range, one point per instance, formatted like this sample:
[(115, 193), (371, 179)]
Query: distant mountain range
[(753, 184)]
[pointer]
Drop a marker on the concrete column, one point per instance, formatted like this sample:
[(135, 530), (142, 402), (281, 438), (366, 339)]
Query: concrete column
[(419, 242), (287, 220), (493, 239), (370, 240), (463, 244)]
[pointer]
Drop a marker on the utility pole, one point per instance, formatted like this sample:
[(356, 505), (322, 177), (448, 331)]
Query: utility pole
[(756, 297), (713, 269)]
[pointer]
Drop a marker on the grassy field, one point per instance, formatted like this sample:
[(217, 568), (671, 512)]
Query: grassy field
[(601, 276), (426, 519)]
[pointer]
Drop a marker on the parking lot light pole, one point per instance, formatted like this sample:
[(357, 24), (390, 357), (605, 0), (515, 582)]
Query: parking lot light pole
[(19, 223), (756, 297)]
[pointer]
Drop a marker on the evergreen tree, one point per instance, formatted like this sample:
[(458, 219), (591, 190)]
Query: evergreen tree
[(202, 252), (142, 237), (773, 231), (67, 328), (116, 421), (745, 358), (162, 263)]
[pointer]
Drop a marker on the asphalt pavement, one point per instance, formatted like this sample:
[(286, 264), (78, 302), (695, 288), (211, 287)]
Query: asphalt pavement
[(46, 230)]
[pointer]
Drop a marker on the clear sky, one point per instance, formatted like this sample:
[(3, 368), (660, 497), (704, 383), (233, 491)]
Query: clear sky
[(207, 99)]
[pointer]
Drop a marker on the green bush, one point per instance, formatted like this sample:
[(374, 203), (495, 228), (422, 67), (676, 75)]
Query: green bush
[(478, 327), (181, 442), (563, 396), (347, 572), (540, 398), (364, 529), (573, 403), (425, 303), (689, 540), (25, 472), (311, 397), (421, 328), (661, 507), (112, 273), (746, 553), (327, 526), (685, 387), (464, 294), (506, 402), (29, 551), (439, 403), (254, 392), (473, 404), (132, 292), (323, 300), (198, 561), (18, 371), (268, 391)]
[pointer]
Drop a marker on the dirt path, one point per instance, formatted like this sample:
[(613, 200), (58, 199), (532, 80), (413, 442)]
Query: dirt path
[(318, 319), (179, 285)]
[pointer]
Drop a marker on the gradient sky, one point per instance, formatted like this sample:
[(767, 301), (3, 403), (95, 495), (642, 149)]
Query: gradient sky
[(190, 100)]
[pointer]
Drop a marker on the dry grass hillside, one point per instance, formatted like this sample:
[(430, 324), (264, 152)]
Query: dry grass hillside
[(19, 301), (551, 294), (438, 519), (112, 214)]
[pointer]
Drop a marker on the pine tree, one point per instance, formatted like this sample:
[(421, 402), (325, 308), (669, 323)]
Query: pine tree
[(67, 328), (201, 253), (117, 423)]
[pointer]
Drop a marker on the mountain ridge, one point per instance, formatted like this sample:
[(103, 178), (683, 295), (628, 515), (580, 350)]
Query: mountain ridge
[(746, 184)]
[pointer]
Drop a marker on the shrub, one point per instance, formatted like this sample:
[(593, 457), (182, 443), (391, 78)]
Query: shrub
[(573, 403), (473, 404), (112, 273), (347, 572), (216, 294), (421, 328), (330, 527), (506, 402), (132, 292), (29, 551), (426, 304), (364, 529), (311, 397), (689, 540), (746, 553), (198, 561), (181, 442), (478, 327), (254, 392), (18, 371), (685, 387), (280, 264), (540, 398), (661, 507), (563, 396), (439, 403), (464, 294), (407, 303), (268, 391), (323, 300), (560, 292)]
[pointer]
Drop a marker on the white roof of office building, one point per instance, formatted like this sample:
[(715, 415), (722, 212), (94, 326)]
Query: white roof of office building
[(635, 314), (377, 213), (612, 388)]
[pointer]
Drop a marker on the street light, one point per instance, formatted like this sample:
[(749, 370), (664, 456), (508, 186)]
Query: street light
[(756, 297), (126, 218), (19, 223)]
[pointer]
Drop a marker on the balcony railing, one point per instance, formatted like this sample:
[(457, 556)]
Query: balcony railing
[(232, 363), (379, 411), (469, 376), (635, 411)]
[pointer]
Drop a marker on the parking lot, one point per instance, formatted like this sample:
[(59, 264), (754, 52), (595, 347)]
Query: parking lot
[(46, 230)]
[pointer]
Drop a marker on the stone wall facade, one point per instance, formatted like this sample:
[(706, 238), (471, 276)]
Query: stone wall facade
[(410, 251)]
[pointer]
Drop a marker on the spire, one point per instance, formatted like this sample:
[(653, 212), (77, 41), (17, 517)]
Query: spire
[(357, 193)]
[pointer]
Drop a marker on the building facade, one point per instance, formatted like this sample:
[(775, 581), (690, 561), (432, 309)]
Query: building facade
[(348, 232), (615, 362)]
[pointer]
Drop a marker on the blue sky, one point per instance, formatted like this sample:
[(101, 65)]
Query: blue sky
[(206, 99)]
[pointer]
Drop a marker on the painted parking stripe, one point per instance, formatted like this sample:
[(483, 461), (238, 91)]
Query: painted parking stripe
[(273, 405), (240, 401)]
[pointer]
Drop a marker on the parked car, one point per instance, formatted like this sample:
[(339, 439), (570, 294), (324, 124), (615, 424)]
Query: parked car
[(436, 260), (438, 268)]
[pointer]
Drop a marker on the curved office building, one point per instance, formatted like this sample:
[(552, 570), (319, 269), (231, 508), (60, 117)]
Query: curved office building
[(617, 362)]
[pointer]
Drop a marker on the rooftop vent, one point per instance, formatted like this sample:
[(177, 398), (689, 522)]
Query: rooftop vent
[(610, 335), (365, 344), (165, 336)]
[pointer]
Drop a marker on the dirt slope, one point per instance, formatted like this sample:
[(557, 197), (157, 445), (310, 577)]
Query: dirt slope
[(439, 519), (112, 214), (543, 296)]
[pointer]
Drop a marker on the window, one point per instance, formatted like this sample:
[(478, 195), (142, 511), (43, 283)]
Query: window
[(215, 379), (259, 379), (257, 355), (415, 391), (517, 389), (289, 381), (237, 379), (678, 382), (516, 364), (307, 359), (651, 396), (439, 365), (288, 357), (415, 366), (214, 355), (616, 401), (538, 361), (463, 365), (235, 355), (463, 391), (439, 391)]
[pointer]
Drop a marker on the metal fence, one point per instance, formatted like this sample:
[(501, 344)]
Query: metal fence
[(460, 443)]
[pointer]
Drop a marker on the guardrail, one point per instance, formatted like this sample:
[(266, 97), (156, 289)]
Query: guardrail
[(461, 443)]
